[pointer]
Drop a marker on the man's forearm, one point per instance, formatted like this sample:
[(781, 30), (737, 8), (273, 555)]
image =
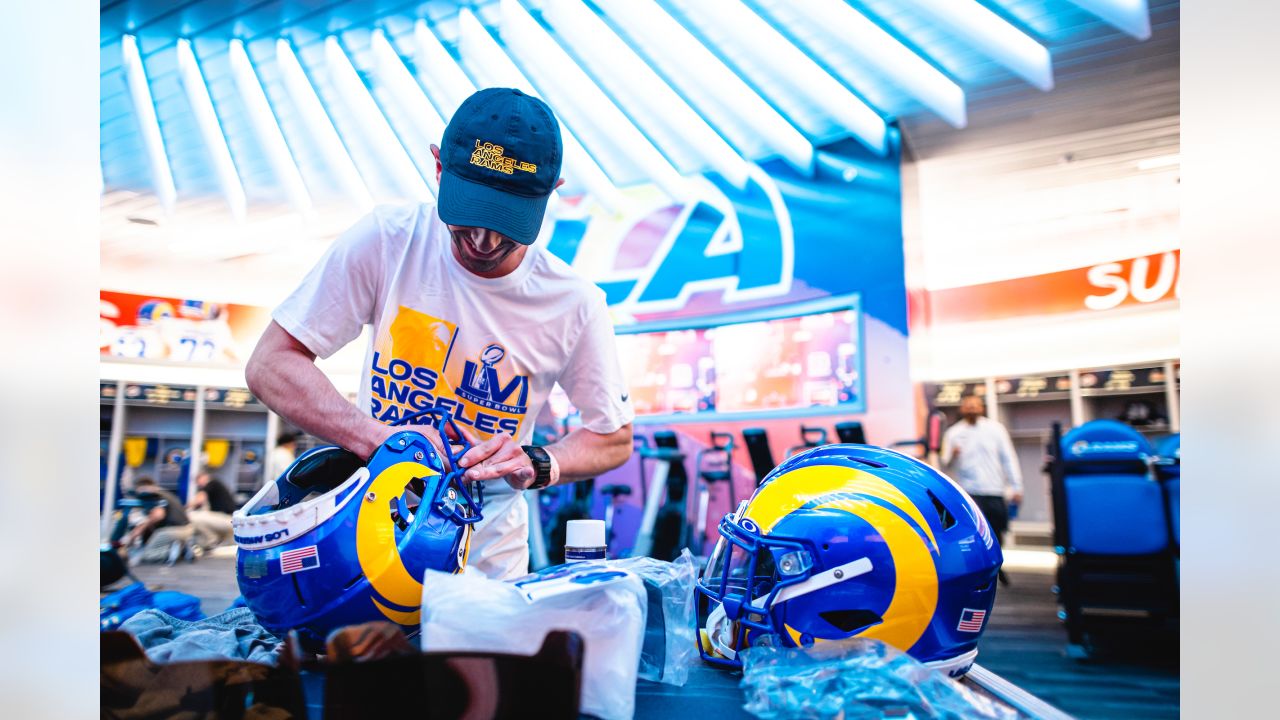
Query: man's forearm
[(291, 385), (583, 454)]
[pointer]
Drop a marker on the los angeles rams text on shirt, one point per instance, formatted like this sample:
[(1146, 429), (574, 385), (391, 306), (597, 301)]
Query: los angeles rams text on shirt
[(413, 370)]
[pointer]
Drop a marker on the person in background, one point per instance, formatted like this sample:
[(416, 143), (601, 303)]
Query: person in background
[(978, 454), (283, 454), (166, 522), (210, 511)]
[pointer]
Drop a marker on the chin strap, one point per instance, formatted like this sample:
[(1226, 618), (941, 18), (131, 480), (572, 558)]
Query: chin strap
[(956, 666), (718, 624)]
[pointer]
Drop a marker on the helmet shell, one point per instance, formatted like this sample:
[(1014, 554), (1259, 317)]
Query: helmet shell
[(856, 540), (335, 541)]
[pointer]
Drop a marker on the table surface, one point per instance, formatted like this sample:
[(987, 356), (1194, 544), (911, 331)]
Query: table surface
[(1024, 644), (711, 693)]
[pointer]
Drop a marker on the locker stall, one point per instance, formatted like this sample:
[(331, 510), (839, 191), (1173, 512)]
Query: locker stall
[(1144, 396), (1028, 407), (157, 425)]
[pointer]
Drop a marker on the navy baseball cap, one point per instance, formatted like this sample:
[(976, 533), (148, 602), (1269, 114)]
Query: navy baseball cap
[(501, 154)]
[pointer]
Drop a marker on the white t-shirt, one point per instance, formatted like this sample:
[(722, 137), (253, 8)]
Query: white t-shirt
[(489, 350), (986, 461)]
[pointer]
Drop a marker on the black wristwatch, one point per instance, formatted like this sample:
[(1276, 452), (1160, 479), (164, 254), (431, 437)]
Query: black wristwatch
[(541, 466)]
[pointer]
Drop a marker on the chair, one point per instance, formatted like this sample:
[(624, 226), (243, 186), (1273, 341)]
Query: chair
[(1169, 470), (810, 437), (1111, 531), (757, 442), (851, 432)]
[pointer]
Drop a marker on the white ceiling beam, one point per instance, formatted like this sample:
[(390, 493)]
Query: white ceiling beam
[(784, 74), (848, 32), (581, 102), (640, 91), (391, 71), (145, 110), (746, 120), (377, 129), (321, 126), (267, 129), (992, 36), (444, 81), (1130, 16), (215, 140)]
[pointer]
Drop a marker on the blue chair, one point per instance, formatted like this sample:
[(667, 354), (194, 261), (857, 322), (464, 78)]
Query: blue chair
[(1169, 469), (1111, 532)]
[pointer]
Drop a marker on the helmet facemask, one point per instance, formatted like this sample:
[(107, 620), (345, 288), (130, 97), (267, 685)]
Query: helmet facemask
[(748, 575)]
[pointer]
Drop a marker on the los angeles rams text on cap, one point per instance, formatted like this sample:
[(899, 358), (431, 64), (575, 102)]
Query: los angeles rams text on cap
[(488, 155)]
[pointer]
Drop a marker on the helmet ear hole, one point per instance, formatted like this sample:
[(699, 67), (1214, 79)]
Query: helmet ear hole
[(945, 518), (848, 621), (404, 506), (399, 518)]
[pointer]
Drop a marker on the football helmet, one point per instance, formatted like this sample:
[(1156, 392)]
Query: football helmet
[(852, 540), (336, 540)]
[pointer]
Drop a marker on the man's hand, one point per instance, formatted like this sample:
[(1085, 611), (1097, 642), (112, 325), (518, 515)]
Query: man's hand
[(1015, 498), (499, 457), (377, 433)]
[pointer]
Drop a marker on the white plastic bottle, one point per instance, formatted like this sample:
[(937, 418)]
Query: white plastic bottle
[(584, 540)]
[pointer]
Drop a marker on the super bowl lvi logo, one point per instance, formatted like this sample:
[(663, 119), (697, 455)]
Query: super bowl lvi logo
[(483, 385)]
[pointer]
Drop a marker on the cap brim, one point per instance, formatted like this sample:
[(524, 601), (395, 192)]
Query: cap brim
[(463, 202)]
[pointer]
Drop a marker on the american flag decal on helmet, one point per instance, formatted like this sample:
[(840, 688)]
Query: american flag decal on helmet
[(292, 561), (971, 620)]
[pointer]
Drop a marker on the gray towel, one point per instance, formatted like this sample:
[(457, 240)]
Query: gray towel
[(233, 635)]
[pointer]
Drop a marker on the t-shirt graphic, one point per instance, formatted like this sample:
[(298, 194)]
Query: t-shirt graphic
[(414, 368)]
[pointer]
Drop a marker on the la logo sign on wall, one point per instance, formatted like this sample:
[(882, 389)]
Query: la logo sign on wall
[(783, 238)]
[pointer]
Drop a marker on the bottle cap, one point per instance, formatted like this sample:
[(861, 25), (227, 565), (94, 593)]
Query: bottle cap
[(585, 534)]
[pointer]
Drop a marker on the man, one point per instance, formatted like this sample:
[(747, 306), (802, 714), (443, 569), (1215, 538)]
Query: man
[(210, 511), (468, 314), (165, 525), (979, 455)]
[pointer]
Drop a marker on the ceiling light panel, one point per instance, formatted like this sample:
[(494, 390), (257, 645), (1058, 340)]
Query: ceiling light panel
[(649, 101), (744, 118), (809, 97)]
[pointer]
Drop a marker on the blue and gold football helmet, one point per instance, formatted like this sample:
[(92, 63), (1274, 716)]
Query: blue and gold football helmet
[(337, 541), (852, 540)]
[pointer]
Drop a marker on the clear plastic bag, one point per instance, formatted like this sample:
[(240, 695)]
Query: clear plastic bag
[(670, 646), (855, 679), (606, 606)]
